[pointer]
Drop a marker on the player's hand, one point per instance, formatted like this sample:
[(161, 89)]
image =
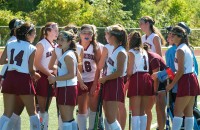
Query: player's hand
[(83, 86), (51, 79), (102, 80), (36, 76), (169, 87)]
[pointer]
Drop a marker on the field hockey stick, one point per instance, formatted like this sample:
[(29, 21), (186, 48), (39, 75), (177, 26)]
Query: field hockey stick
[(129, 117), (99, 107), (168, 110)]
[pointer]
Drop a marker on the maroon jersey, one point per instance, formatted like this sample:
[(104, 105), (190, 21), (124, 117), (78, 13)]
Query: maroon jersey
[(155, 61)]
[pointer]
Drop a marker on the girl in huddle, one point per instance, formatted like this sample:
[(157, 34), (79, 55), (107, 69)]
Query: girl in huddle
[(154, 39), (88, 95), (140, 81), (188, 86), (66, 80), (45, 46), (113, 82), (18, 81)]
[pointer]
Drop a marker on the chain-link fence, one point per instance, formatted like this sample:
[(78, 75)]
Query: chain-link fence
[(5, 34)]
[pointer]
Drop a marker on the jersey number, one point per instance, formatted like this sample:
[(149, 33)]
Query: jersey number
[(88, 67), (17, 58)]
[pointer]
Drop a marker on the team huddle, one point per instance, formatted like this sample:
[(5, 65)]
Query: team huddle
[(74, 67)]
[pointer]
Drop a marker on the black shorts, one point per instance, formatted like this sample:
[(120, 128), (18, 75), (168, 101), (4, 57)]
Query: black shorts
[(162, 86)]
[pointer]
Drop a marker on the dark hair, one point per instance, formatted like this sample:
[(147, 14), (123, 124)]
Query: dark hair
[(180, 32), (155, 30), (14, 23), (135, 41), (70, 37), (46, 28), (185, 27), (94, 37), (71, 27), (23, 30)]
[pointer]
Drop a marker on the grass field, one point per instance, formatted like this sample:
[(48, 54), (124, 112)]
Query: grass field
[(53, 123)]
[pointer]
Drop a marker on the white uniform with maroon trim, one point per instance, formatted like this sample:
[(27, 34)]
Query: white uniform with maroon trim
[(89, 64), (47, 53), (18, 54), (112, 61), (62, 68), (188, 59), (109, 48), (5, 66), (149, 41), (78, 49), (101, 46), (141, 60)]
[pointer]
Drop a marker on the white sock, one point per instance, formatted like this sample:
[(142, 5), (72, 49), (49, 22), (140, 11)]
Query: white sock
[(177, 122), (135, 122), (60, 122), (74, 125), (107, 127), (115, 125), (92, 116), (34, 122), (67, 126), (143, 122), (189, 123), (82, 119), (4, 120), (45, 119), (15, 122)]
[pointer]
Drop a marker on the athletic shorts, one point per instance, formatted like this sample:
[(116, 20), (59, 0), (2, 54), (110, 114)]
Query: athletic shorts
[(89, 85), (18, 83), (42, 86), (67, 95), (162, 86), (113, 90), (188, 85), (140, 84)]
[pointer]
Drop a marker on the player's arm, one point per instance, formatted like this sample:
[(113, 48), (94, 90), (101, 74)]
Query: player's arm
[(131, 60), (4, 57)]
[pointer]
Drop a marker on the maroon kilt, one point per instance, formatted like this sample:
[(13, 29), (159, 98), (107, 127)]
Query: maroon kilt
[(67, 95), (140, 84), (42, 86), (188, 85), (18, 83), (113, 90), (89, 85)]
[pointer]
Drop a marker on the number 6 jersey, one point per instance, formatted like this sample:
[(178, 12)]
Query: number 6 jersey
[(18, 54)]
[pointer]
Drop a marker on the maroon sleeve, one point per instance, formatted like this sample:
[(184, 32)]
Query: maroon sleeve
[(154, 64)]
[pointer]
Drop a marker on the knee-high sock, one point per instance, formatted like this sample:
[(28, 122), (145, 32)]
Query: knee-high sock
[(189, 123), (107, 127), (60, 122), (92, 116), (74, 125), (143, 122), (177, 122), (34, 122), (4, 120), (45, 119), (115, 125), (15, 122), (81, 119), (135, 123), (67, 126)]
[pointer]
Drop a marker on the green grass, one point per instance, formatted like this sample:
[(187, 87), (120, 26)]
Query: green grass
[(53, 123)]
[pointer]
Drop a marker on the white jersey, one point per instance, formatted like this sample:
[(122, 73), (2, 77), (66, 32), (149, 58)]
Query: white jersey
[(101, 46), (18, 54), (5, 66), (109, 48), (149, 41), (11, 39), (188, 59), (112, 61), (78, 49), (89, 64), (62, 68), (141, 63), (47, 53)]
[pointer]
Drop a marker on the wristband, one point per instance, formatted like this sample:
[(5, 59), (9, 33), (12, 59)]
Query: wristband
[(170, 73)]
